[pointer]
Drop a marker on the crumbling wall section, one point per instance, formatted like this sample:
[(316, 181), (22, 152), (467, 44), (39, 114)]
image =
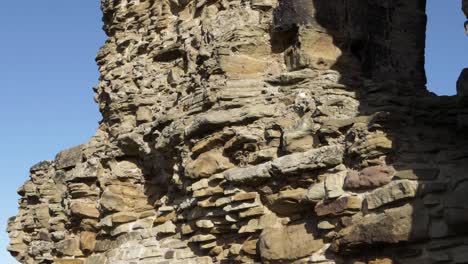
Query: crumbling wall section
[(257, 131)]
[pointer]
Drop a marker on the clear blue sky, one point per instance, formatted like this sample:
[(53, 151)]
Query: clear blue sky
[(47, 70), (446, 45)]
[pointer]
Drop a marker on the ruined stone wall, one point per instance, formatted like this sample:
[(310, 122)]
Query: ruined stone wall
[(257, 131)]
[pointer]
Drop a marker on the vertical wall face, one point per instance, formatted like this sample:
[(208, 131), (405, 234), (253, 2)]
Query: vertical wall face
[(256, 131)]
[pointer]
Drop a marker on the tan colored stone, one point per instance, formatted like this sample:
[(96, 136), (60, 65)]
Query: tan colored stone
[(204, 224), (84, 209), (69, 158), (207, 164), (381, 261), (250, 246), (124, 198), (68, 261), (126, 169), (124, 217), (252, 212), (166, 228), (144, 114), (164, 218), (235, 65), (87, 241), (392, 192), (288, 243), (70, 247), (288, 201), (390, 227), (341, 206), (202, 238), (244, 196)]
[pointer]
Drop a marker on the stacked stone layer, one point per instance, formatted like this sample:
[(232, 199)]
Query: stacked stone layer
[(257, 131)]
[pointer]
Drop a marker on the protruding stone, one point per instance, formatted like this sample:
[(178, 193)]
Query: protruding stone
[(288, 201), (87, 241), (253, 174), (69, 247), (166, 228), (69, 158), (207, 164), (320, 158), (334, 184), (392, 192), (84, 209), (341, 206), (402, 224), (288, 243)]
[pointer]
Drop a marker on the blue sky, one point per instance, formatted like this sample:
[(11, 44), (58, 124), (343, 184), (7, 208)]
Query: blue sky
[(446, 45), (47, 71)]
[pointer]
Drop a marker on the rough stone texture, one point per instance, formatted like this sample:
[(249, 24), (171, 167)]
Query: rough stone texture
[(287, 243), (253, 131), (369, 178)]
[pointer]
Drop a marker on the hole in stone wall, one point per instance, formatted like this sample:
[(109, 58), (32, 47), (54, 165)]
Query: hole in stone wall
[(446, 45)]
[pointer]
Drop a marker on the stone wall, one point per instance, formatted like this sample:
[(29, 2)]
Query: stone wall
[(257, 131)]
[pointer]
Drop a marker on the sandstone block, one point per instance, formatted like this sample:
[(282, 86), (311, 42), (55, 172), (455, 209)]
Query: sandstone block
[(69, 247), (288, 243), (341, 206), (392, 192), (288, 201), (323, 157), (253, 174), (166, 228), (334, 184), (118, 198), (403, 224), (69, 158), (87, 241), (84, 209), (207, 164)]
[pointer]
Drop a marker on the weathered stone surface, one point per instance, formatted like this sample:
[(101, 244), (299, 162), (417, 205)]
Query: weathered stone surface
[(69, 247), (87, 241), (166, 228), (316, 192), (340, 206), (228, 117), (403, 224), (68, 261), (288, 201), (392, 192), (250, 174), (369, 178), (227, 125), (207, 164), (334, 184), (84, 209), (288, 243), (122, 198), (311, 160), (69, 158)]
